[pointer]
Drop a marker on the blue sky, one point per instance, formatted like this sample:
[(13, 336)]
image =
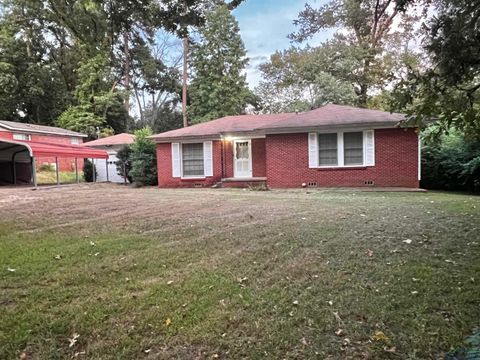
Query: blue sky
[(264, 26)]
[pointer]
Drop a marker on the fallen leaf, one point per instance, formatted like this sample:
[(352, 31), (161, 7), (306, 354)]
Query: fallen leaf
[(92, 243), (369, 253), (337, 317), (170, 282), (304, 341), (77, 354), (146, 351), (168, 322), (414, 292), (339, 332), (295, 302), (11, 270), (58, 257), (407, 241), (73, 340), (381, 337)]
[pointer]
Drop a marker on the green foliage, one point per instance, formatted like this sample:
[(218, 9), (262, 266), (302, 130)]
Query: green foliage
[(218, 87), (299, 80), (88, 169), (471, 350), (451, 163), (447, 90), (367, 49), (143, 158), (80, 118), (124, 162), (47, 167), (77, 58)]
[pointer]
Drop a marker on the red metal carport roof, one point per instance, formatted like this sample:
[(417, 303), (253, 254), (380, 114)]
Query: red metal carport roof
[(56, 150)]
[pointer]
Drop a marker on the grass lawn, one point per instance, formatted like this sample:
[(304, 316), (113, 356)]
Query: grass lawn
[(109, 272), (66, 177)]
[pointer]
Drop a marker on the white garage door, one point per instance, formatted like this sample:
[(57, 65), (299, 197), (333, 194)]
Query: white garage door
[(112, 170)]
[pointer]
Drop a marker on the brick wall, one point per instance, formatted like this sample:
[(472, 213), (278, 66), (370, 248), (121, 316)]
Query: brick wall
[(164, 164), (164, 168), (396, 162)]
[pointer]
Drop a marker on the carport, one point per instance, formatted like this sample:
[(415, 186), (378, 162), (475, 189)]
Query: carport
[(17, 159)]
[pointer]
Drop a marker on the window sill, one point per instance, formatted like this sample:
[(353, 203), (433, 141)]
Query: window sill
[(352, 167), (193, 178)]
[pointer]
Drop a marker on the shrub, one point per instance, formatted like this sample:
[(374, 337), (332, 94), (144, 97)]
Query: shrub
[(47, 167), (88, 171), (143, 158), (452, 163), (124, 164)]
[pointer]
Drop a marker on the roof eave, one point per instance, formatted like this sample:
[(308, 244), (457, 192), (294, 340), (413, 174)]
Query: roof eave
[(303, 129), (75, 134)]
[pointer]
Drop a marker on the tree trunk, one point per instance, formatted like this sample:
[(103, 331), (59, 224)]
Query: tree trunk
[(184, 81)]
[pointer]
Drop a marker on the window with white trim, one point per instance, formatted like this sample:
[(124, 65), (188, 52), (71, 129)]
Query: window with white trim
[(24, 137), (327, 150), (75, 141), (353, 148), (341, 149), (192, 160)]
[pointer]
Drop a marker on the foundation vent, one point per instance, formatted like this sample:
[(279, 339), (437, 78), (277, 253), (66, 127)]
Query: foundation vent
[(197, 185), (369, 182), (312, 184)]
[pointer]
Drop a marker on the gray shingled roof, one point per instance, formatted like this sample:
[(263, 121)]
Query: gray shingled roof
[(42, 129), (329, 115)]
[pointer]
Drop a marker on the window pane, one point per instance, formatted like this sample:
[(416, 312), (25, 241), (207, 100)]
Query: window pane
[(353, 148), (192, 158), (327, 145)]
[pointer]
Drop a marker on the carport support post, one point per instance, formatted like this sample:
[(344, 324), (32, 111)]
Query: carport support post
[(106, 163), (76, 171), (56, 170), (93, 167), (34, 171)]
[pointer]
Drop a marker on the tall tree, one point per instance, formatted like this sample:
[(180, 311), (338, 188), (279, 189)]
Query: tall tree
[(218, 60), (448, 90), (365, 30), (302, 79)]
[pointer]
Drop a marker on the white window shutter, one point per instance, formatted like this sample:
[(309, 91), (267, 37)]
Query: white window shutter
[(369, 148), (312, 150), (208, 158), (176, 160)]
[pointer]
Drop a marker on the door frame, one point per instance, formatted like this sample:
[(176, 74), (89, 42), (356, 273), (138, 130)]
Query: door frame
[(249, 141)]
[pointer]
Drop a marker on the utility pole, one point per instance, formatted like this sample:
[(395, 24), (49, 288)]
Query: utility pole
[(126, 54), (184, 80)]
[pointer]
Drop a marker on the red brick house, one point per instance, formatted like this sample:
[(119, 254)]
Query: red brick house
[(330, 146)]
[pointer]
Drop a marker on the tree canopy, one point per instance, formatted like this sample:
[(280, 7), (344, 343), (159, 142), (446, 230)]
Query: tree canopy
[(218, 86)]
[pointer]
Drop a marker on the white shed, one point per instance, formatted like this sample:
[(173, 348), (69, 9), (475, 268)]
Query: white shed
[(112, 145)]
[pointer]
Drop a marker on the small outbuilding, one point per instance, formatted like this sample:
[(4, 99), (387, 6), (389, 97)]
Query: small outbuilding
[(25, 148), (112, 144)]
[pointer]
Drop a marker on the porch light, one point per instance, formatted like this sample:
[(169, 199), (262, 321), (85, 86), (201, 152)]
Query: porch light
[(228, 138)]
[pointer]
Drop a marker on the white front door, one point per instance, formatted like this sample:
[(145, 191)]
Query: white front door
[(242, 159)]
